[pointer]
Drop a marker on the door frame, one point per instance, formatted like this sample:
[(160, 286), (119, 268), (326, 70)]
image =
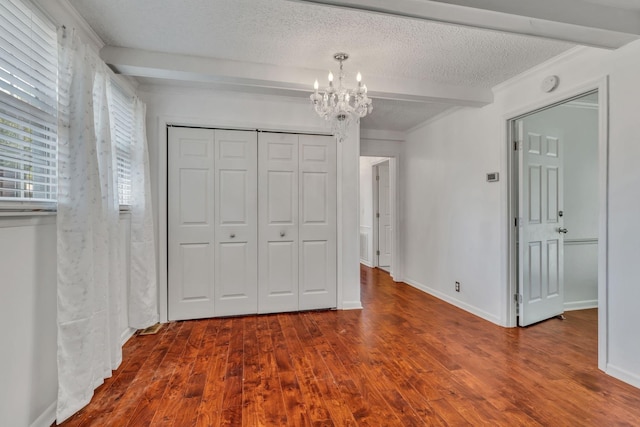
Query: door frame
[(602, 87), (376, 221), (394, 159)]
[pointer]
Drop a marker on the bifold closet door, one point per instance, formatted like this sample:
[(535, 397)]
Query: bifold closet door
[(317, 222), (236, 232), (212, 220), (297, 222), (278, 222), (191, 223)]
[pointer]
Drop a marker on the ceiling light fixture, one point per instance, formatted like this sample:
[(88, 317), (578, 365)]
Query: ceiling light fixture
[(340, 105)]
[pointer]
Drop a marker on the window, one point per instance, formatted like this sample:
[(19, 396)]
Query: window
[(28, 105), (122, 115)]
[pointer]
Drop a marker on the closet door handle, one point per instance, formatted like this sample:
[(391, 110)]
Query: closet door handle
[(232, 235), (282, 234)]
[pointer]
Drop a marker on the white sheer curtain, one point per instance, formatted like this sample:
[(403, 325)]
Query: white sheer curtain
[(143, 298), (87, 222)]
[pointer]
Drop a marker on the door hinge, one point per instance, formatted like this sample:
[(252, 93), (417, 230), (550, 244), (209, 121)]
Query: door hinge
[(515, 222), (515, 145), (378, 253), (377, 177), (377, 214), (518, 298)]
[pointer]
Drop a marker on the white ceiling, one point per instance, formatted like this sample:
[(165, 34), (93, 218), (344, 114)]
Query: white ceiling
[(300, 38)]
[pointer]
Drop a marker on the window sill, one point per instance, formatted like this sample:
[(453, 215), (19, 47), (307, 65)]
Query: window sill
[(33, 218), (26, 219)]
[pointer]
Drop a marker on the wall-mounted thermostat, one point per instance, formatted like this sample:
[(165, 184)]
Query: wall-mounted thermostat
[(493, 176)]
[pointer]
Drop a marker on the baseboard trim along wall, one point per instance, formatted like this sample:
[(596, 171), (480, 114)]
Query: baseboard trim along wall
[(455, 302), (352, 305), (623, 375), (580, 305), (47, 418)]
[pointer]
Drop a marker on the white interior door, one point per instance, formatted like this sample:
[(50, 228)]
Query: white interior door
[(278, 222), (317, 222), (384, 217), (191, 223), (236, 231), (541, 231)]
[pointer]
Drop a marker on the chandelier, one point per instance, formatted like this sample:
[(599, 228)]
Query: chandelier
[(340, 105)]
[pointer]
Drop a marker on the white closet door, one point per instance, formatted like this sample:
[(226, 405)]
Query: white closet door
[(236, 233), (191, 223), (317, 224), (278, 222)]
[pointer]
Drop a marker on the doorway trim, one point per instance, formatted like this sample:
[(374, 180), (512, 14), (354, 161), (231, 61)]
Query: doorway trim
[(393, 154), (602, 87)]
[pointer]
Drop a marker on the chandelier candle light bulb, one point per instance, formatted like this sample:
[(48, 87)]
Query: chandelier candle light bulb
[(341, 105)]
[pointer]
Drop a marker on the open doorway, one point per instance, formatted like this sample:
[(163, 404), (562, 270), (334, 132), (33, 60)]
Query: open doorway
[(556, 208), (376, 213)]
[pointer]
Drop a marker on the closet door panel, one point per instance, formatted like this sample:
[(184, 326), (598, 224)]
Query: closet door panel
[(191, 223), (317, 228), (236, 280), (278, 222)]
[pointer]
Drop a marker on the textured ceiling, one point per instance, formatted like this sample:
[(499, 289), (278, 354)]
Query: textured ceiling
[(303, 35)]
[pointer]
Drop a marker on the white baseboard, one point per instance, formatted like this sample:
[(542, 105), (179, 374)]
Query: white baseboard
[(455, 302), (126, 334), (351, 305), (580, 305), (366, 263), (47, 418), (623, 375)]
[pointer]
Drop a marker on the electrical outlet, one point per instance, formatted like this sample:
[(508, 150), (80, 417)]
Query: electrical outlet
[(457, 286)]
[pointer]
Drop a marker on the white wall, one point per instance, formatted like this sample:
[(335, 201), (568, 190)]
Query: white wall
[(29, 379), (453, 216), (28, 313), (578, 127), (204, 107), (451, 223)]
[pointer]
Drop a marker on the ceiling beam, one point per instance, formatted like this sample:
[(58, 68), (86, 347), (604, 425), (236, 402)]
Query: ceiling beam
[(276, 79), (576, 21)]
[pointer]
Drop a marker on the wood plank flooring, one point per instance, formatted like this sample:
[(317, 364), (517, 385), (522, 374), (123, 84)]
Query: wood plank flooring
[(407, 359)]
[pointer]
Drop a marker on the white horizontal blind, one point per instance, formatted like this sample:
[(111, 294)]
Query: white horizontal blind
[(28, 105), (122, 115)]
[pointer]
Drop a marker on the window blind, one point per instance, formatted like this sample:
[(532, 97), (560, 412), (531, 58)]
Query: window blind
[(122, 115), (28, 105)]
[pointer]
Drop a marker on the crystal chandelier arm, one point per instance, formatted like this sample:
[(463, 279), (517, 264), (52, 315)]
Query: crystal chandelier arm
[(340, 105)]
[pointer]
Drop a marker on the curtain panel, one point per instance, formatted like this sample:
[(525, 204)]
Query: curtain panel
[(143, 291), (89, 271), (87, 229)]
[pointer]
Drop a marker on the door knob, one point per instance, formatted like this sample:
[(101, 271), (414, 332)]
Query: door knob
[(282, 234), (562, 230), (232, 235)]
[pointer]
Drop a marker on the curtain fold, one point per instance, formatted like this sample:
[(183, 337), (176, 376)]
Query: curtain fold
[(87, 229), (143, 298)]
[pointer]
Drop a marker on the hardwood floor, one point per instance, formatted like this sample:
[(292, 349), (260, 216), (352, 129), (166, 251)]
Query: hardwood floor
[(407, 359)]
